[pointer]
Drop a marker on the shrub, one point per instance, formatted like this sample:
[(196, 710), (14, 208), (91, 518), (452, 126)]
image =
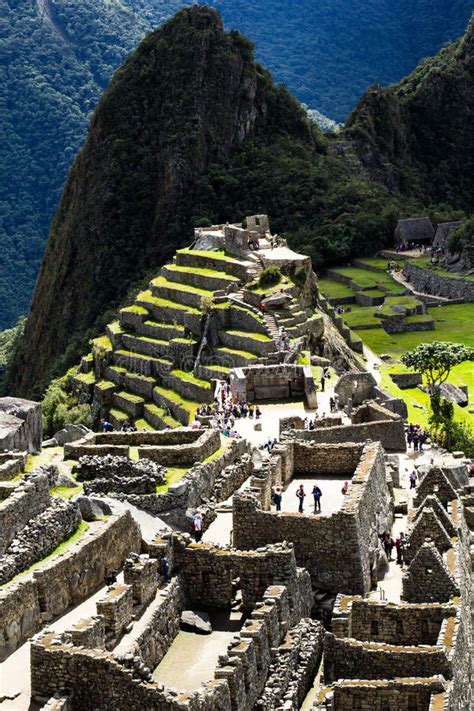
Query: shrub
[(269, 277), (62, 407)]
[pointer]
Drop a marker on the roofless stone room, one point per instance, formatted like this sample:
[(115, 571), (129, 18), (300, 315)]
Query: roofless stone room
[(236, 357)]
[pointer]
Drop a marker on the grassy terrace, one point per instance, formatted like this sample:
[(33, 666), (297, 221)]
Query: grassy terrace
[(147, 298), (190, 378), (215, 254), (175, 474), (175, 286), (360, 316), (335, 289), (366, 279), (233, 351), (250, 334), (452, 323), (172, 396), (86, 378), (377, 262), (425, 262), (160, 412), (202, 271)]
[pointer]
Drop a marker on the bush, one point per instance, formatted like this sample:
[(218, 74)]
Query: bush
[(269, 277), (62, 407)]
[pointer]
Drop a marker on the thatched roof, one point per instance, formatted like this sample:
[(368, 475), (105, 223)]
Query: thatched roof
[(414, 229)]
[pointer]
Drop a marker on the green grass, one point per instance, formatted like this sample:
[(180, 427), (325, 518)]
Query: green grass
[(366, 279), (102, 343), (360, 316), (215, 254), (159, 324), (377, 262), (105, 385), (407, 301), (136, 399), (425, 262), (43, 458), (133, 354), (335, 289), (147, 297), (217, 368), (175, 286), (119, 415), (66, 492), (452, 323), (201, 271), (86, 378), (233, 351), (142, 425), (173, 476), (135, 309), (255, 336), (160, 412), (115, 327), (190, 378), (175, 397), (63, 546)]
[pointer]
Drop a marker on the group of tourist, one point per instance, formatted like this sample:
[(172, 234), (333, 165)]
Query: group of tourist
[(388, 544), (225, 410), (417, 437)]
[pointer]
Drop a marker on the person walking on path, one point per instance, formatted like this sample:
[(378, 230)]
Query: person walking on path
[(388, 544), (317, 493), (197, 526), (323, 383), (300, 493), (400, 545), (345, 488), (413, 479), (277, 493)]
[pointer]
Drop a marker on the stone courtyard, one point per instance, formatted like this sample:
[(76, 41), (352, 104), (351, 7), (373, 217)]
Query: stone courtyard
[(149, 567)]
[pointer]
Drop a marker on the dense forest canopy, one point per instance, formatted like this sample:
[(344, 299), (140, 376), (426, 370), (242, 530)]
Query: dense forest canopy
[(56, 57)]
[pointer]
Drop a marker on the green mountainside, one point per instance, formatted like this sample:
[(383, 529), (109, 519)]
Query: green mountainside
[(328, 52), (56, 57), (190, 131), (418, 135)]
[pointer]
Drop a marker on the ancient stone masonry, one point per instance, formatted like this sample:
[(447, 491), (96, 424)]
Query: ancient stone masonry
[(65, 581), (370, 421), (430, 282), (20, 425), (259, 382), (273, 659), (29, 498), (11, 464), (321, 541), (109, 473)]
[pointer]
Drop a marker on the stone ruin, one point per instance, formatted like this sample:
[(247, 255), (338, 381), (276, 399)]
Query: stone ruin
[(20, 425)]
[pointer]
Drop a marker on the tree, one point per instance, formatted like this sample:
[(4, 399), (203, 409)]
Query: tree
[(436, 360)]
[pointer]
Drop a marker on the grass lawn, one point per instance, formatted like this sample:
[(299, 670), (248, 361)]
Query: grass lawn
[(452, 323), (334, 289), (366, 279), (377, 262), (360, 316), (66, 492)]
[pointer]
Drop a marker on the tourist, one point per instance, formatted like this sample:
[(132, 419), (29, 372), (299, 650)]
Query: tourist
[(300, 493), (257, 412), (388, 544), (197, 526), (277, 494), (165, 569), (317, 493), (400, 545), (345, 488), (105, 426), (322, 382), (332, 404), (413, 479), (111, 577)]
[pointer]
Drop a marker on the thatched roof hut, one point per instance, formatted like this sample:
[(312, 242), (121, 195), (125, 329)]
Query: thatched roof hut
[(414, 229)]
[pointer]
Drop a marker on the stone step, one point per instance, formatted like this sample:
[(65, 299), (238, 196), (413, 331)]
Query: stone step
[(129, 403), (160, 330), (208, 279), (158, 418), (256, 343), (166, 310), (232, 357), (215, 260), (133, 362), (179, 293), (145, 345)]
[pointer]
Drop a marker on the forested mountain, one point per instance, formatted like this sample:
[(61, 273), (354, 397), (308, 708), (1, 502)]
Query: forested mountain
[(328, 52), (190, 131), (56, 57), (419, 134)]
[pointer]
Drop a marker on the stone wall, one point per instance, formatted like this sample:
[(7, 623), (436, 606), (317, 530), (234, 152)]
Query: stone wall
[(321, 542), (64, 581), (179, 455), (110, 473), (29, 499), (430, 282), (389, 432), (40, 537), (410, 694), (270, 382), (20, 425), (11, 464)]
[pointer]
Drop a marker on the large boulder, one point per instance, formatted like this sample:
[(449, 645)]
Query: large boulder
[(196, 621), (20, 425), (70, 433)]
